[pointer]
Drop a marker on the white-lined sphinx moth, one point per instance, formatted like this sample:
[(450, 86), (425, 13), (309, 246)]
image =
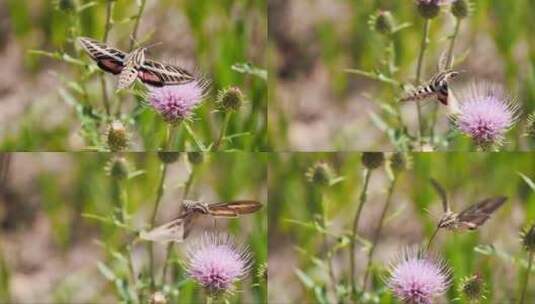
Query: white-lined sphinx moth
[(130, 66), (178, 229), (437, 86), (470, 218)]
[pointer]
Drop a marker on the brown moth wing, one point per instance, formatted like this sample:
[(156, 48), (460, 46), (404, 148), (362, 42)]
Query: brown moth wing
[(477, 214), (150, 78), (168, 74), (109, 59), (110, 65), (234, 208)]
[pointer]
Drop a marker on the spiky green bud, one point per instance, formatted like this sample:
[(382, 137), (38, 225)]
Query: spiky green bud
[(230, 99), (168, 157), (373, 160), (428, 9), (117, 137), (118, 168), (473, 288), (461, 8), (195, 158), (383, 22), (528, 238), (320, 174), (530, 126), (65, 5)]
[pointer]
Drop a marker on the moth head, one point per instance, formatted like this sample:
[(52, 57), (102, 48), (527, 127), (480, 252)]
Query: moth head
[(195, 207), (448, 220)]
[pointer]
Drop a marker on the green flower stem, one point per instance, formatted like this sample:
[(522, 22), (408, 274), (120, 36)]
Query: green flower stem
[(169, 140), (132, 273), (170, 246), (377, 232), (209, 299), (136, 24), (193, 136), (156, 205), (223, 131), (330, 267), (374, 76), (105, 98), (423, 48), (449, 66), (528, 272), (352, 258)]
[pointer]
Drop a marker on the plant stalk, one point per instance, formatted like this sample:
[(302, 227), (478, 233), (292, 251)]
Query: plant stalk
[(377, 232), (528, 272), (136, 24), (223, 131), (352, 258), (107, 27), (156, 205), (423, 48)]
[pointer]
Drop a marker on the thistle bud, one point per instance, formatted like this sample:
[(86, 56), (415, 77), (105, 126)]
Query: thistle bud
[(461, 8), (384, 22), (65, 5), (400, 161), (118, 168), (117, 137), (195, 158), (473, 288), (429, 9), (528, 238), (168, 157), (320, 174), (262, 273), (158, 298), (230, 99), (373, 160)]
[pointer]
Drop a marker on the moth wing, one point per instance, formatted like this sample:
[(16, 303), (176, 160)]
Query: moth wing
[(109, 59), (477, 214), (442, 193), (234, 208), (170, 232), (167, 74)]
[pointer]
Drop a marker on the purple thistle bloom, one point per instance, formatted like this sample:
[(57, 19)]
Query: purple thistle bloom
[(486, 114), (177, 102), (435, 2), (216, 263), (418, 278)]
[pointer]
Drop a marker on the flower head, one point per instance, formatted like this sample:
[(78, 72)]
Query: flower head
[(486, 114), (429, 9), (215, 263), (117, 137), (177, 102), (418, 278), (528, 238), (373, 160), (320, 174), (473, 288)]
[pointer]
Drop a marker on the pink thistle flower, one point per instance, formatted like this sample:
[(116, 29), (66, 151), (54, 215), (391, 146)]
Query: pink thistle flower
[(418, 278), (216, 263), (177, 102), (486, 114)]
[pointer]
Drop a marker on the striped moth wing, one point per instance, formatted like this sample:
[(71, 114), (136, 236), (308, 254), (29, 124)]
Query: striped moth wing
[(108, 59), (158, 74), (477, 214), (234, 208)]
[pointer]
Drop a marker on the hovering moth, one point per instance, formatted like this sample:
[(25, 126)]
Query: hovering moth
[(470, 218), (178, 229), (436, 86), (134, 65)]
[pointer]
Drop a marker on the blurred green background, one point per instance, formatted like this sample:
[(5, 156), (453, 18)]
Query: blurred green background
[(54, 102), (410, 220), (51, 252), (315, 105)]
